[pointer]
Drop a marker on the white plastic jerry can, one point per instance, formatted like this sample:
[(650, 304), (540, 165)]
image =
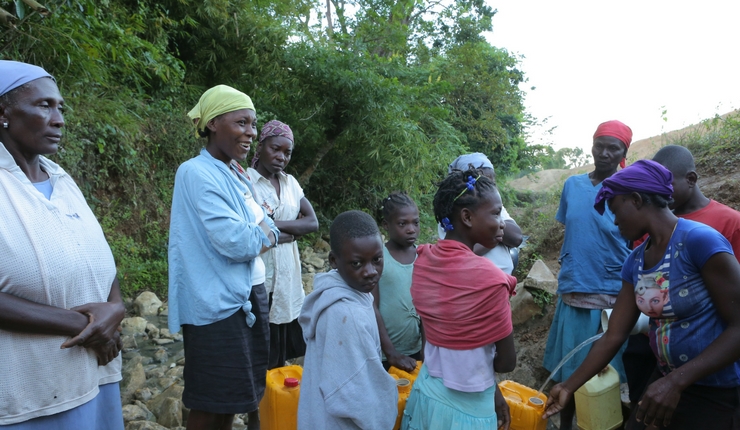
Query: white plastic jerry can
[(598, 403)]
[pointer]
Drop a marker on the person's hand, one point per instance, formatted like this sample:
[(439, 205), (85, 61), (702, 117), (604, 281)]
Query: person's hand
[(266, 229), (556, 401), (286, 237), (102, 327), (502, 410), (659, 402), (105, 353), (402, 362)]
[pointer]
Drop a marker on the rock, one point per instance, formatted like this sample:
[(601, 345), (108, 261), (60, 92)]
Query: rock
[(176, 372), (134, 326), (165, 333), (133, 413), (133, 378), (161, 355), (143, 394), (314, 260), (174, 392), (144, 425), (152, 331), (129, 342), (163, 341), (166, 382), (170, 413), (165, 311), (147, 304), (322, 245), (541, 278), (149, 415), (523, 307), (307, 279), (155, 372)]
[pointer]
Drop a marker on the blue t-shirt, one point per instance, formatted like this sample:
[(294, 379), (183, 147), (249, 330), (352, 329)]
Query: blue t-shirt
[(683, 318), (593, 250), (44, 188)]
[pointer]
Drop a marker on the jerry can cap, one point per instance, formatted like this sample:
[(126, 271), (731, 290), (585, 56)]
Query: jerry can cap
[(291, 382)]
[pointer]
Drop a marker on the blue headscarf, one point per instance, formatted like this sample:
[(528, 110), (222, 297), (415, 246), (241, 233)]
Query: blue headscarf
[(13, 74), (642, 176)]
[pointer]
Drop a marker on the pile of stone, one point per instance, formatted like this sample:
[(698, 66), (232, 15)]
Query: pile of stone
[(314, 260), (153, 358)]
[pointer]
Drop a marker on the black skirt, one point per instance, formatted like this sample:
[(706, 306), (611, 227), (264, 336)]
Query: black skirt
[(286, 342), (226, 361), (699, 408)]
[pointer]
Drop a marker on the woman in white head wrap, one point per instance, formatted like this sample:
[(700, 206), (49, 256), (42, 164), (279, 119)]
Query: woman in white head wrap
[(58, 285), (512, 233), (216, 277)]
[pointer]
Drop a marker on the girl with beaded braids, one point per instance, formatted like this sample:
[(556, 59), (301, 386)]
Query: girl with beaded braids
[(463, 302), (398, 323)]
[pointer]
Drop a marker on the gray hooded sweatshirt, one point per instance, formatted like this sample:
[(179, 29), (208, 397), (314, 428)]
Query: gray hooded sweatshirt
[(344, 384)]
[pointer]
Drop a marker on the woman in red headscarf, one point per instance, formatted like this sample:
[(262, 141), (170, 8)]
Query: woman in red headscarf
[(591, 259)]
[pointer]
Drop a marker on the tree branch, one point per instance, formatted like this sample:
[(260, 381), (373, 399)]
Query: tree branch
[(306, 175)]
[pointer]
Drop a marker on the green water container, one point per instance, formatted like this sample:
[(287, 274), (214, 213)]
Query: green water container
[(598, 404)]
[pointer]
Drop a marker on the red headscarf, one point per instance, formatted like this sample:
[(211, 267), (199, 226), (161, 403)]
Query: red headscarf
[(616, 129), (462, 298)]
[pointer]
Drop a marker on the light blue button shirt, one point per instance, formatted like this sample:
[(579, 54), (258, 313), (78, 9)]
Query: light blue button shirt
[(213, 242)]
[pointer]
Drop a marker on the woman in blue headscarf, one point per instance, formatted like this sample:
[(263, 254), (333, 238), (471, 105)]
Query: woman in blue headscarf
[(685, 277), (58, 285)]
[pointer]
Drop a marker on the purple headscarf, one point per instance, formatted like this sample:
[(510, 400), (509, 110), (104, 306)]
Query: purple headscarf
[(271, 129), (13, 74), (642, 176)]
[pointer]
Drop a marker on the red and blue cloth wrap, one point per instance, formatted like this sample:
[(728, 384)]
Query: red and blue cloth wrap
[(462, 298)]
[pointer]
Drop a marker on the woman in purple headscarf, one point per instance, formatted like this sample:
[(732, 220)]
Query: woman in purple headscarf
[(686, 276), (283, 199), (60, 303)]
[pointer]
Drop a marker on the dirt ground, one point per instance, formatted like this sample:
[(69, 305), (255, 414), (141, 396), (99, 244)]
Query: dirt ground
[(719, 180)]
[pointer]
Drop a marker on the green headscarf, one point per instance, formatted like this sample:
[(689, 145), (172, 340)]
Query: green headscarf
[(217, 101)]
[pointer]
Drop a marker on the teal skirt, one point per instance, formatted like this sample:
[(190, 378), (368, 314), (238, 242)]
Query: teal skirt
[(432, 406), (571, 326)]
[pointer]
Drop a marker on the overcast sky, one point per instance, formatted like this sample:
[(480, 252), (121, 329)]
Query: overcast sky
[(592, 61)]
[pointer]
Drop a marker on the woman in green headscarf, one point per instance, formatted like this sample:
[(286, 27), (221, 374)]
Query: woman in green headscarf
[(216, 277)]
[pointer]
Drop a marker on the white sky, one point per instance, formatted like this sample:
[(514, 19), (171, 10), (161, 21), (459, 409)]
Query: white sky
[(593, 61)]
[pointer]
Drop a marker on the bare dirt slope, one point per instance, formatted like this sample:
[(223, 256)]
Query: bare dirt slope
[(548, 180)]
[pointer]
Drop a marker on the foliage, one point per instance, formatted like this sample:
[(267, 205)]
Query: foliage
[(717, 136), (380, 101), (541, 297), (536, 214)]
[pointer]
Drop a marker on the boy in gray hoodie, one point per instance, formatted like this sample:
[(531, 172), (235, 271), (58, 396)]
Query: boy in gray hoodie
[(344, 384)]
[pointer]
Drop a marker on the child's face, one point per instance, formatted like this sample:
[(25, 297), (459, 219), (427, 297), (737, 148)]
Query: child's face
[(651, 302), (487, 224), (360, 262), (403, 226)]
